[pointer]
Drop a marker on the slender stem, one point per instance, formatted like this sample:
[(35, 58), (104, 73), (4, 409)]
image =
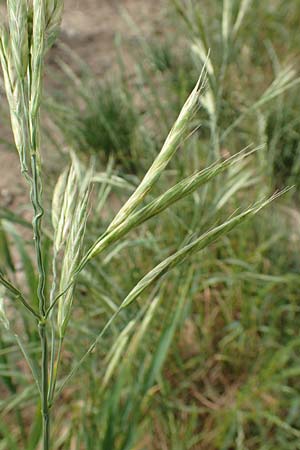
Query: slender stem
[(36, 223), (45, 387), (54, 359), (52, 384), (87, 353)]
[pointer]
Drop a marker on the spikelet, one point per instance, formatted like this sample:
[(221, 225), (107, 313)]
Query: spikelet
[(164, 201), (175, 137), (197, 245), (69, 220), (18, 26), (54, 12), (31, 29)]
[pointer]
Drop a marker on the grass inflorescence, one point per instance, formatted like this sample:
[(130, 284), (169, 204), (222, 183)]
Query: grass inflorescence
[(148, 304)]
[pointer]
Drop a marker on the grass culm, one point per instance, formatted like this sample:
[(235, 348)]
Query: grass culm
[(29, 32)]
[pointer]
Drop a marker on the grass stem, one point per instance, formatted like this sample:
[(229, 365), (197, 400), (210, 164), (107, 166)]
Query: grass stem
[(45, 386)]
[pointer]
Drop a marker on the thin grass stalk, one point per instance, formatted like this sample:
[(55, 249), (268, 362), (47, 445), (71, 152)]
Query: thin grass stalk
[(22, 51), (45, 386), (37, 56)]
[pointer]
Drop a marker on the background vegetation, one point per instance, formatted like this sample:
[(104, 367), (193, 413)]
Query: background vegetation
[(209, 359)]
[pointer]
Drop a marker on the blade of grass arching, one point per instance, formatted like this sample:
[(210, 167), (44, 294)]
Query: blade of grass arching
[(18, 295), (278, 422), (6, 260), (115, 354), (167, 335), (112, 406), (106, 185), (21, 399), (122, 357), (27, 265), (124, 412), (35, 432), (284, 81), (137, 338), (9, 380), (31, 363), (8, 438), (113, 181), (131, 409), (174, 194), (126, 409), (6, 379), (87, 353), (13, 217), (239, 183)]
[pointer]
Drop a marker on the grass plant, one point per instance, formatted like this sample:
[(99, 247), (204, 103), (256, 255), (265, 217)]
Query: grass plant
[(197, 278)]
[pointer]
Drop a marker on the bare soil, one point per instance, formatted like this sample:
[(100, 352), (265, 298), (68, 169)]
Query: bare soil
[(89, 28)]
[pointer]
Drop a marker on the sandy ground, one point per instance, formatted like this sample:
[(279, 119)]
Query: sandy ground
[(89, 28)]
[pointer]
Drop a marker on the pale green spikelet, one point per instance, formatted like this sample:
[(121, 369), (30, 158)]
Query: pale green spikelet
[(14, 87), (171, 196), (63, 205), (73, 191), (54, 11), (194, 247), (18, 26), (168, 150)]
